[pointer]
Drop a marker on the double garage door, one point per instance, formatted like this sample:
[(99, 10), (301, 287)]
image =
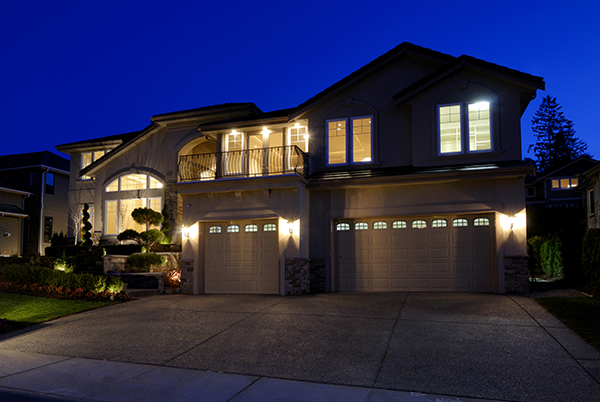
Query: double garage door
[(415, 254), (242, 257)]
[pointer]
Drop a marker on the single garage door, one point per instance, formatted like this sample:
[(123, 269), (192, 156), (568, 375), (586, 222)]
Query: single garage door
[(242, 257), (448, 253)]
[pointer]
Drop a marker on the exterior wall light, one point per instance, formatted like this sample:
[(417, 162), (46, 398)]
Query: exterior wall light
[(185, 231), (265, 132)]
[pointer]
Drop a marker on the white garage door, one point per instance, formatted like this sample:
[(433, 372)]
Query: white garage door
[(242, 257), (415, 254)]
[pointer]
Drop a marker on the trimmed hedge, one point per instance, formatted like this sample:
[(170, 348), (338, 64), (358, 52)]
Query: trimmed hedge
[(143, 262), (546, 255), (30, 274)]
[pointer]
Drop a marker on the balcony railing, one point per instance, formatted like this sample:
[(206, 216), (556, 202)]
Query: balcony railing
[(247, 163)]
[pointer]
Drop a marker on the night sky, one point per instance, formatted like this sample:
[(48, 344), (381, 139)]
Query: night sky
[(75, 70)]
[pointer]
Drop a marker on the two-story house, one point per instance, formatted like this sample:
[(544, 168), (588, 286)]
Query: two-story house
[(45, 177), (12, 215), (405, 175)]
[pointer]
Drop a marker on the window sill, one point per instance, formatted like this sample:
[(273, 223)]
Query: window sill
[(466, 156), (350, 166)]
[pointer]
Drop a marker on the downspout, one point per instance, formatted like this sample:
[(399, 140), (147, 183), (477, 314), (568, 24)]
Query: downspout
[(41, 234), (23, 224)]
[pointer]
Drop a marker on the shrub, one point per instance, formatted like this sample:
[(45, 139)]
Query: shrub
[(551, 255), (64, 264), (35, 274), (590, 257), (143, 262), (86, 227)]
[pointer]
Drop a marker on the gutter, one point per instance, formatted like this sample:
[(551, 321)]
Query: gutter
[(41, 231), (23, 225)]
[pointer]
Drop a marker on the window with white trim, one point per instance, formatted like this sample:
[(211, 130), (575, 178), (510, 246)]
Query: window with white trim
[(342, 227), (270, 227), (233, 229), (250, 228), (87, 158), (399, 225), (214, 229), (439, 223), (361, 226), (464, 127), (380, 225), (419, 224), (343, 148)]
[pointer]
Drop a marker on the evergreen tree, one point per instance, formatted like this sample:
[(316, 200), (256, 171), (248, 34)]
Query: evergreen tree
[(86, 227), (556, 142)]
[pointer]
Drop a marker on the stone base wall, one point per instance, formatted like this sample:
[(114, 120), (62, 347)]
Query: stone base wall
[(175, 208), (516, 274), (187, 276), (317, 276), (116, 263), (297, 277)]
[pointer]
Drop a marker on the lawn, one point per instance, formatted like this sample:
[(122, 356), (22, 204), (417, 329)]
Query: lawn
[(22, 311), (581, 314)]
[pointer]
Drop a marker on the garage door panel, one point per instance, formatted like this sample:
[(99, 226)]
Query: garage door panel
[(406, 259), (242, 262)]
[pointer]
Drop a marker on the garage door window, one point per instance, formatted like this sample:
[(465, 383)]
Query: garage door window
[(251, 228), (419, 224), (380, 225), (439, 223), (233, 229), (461, 222), (399, 225), (214, 229), (481, 222), (270, 227), (361, 226), (341, 227)]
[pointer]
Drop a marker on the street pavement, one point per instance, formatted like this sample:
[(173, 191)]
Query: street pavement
[(323, 347)]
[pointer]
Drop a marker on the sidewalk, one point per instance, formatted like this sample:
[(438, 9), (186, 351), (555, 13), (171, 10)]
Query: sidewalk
[(35, 377)]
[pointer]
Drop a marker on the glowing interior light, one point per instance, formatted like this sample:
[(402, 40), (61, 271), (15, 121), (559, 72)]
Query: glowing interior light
[(481, 106), (297, 125), (265, 132), (366, 160)]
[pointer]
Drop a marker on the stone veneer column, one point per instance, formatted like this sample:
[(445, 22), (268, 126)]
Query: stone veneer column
[(516, 274), (297, 276), (187, 276), (175, 206), (317, 276)]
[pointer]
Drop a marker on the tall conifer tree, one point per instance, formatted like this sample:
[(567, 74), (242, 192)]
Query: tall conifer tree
[(556, 142)]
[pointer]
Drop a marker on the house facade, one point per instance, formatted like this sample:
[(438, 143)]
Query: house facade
[(44, 177), (404, 176), (12, 215), (589, 189)]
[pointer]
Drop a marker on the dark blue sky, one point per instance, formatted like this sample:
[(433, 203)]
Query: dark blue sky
[(73, 70)]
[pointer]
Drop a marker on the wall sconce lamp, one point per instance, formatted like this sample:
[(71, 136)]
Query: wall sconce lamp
[(511, 221), (185, 231), (265, 132)]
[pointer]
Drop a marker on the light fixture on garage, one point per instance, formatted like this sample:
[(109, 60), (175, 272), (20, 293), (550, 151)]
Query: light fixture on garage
[(185, 231), (511, 221)]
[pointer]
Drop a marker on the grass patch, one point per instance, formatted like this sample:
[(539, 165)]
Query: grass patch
[(21, 310), (580, 314)]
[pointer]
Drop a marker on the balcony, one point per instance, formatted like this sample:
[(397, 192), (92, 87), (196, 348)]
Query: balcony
[(246, 163)]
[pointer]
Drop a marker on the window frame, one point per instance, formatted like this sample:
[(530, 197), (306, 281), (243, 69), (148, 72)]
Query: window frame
[(349, 141), (93, 157), (559, 181), (465, 128)]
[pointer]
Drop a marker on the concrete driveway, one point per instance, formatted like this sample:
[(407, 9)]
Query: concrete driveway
[(465, 345)]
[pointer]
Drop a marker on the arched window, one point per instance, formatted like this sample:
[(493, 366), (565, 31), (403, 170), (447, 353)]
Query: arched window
[(126, 193)]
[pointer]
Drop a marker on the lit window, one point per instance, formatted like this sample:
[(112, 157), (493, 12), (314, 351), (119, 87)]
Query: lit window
[(336, 135), (134, 182), (358, 144), (452, 132), (481, 222), (564, 184), (153, 183), (87, 158), (399, 225), (380, 225), (233, 229), (361, 226), (270, 227), (298, 136), (460, 222), (419, 224), (214, 229), (439, 223), (250, 228), (341, 227)]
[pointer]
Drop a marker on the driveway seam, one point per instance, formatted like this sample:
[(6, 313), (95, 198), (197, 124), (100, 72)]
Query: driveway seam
[(219, 333), (557, 341), (387, 348)]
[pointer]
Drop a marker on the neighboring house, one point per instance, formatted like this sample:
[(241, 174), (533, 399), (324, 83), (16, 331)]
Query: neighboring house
[(45, 176), (406, 175), (558, 188), (12, 215), (589, 188)]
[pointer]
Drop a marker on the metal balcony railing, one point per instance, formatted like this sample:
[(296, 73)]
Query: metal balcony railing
[(247, 163)]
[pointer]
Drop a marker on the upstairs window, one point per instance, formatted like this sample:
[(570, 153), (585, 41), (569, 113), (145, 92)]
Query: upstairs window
[(87, 158), (50, 183), (343, 148), (564, 184), (464, 126)]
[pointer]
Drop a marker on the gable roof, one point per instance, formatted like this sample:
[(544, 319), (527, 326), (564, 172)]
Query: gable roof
[(34, 159)]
